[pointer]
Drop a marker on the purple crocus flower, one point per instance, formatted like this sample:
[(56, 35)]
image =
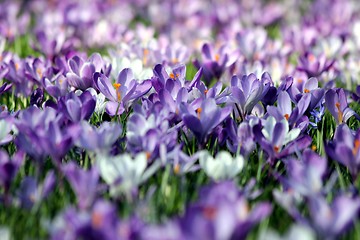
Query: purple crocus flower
[(97, 139), (84, 183), (100, 222), (77, 108), (284, 109), (345, 148), (331, 220), (240, 138), (81, 73), (336, 103), (276, 139), (41, 134), (313, 65), (38, 70), (9, 168), (206, 118), (306, 176), (247, 92), (123, 92), (222, 212), (30, 193)]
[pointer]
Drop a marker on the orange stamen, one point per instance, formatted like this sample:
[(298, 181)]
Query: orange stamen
[(209, 212), (173, 76), (118, 93), (148, 155), (286, 116), (96, 220), (340, 113), (198, 111), (311, 58), (313, 147), (276, 149), (176, 168), (356, 146), (306, 90), (217, 57), (206, 91), (299, 80), (17, 66), (175, 60), (145, 54)]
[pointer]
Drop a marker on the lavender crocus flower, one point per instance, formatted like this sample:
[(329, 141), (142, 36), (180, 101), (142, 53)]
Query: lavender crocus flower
[(100, 222), (84, 183), (206, 118), (123, 92), (77, 108), (276, 139), (97, 139), (285, 110), (240, 138), (331, 220), (30, 193), (345, 148), (222, 212), (313, 65), (306, 176), (9, 168), (246, 93), (336, 103)]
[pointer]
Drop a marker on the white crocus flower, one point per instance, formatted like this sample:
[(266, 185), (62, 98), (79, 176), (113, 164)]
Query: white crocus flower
[(223, 166), (124, 173), (136, 65), (268, 130)]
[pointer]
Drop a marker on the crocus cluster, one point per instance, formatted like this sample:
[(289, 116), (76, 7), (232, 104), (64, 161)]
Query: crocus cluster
[(188, 119)]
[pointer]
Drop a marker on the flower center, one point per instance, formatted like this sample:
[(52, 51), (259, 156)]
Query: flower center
[(145, 56), (306, 90), (286, 116), (118, 93), (39, 72), (340, 113), (173, 76), (311, 58), (96, 219), (198, 111), (217, 57), (356, 146), (209, 212), (276, 149), (176, 168)]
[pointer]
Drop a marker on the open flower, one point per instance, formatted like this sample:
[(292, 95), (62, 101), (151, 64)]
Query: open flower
[(123, 173), (223, 166), (336, 103)]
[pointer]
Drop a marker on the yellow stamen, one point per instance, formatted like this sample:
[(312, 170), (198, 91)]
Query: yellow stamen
[(198, 111), (176, 168), (313, 147), (39, 72), (217, 57), (286, 116), (306, 90), (356, 146), (175, 60), (17, 66), (206, 91), (340, 113), (118, 93), (96, 219)]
